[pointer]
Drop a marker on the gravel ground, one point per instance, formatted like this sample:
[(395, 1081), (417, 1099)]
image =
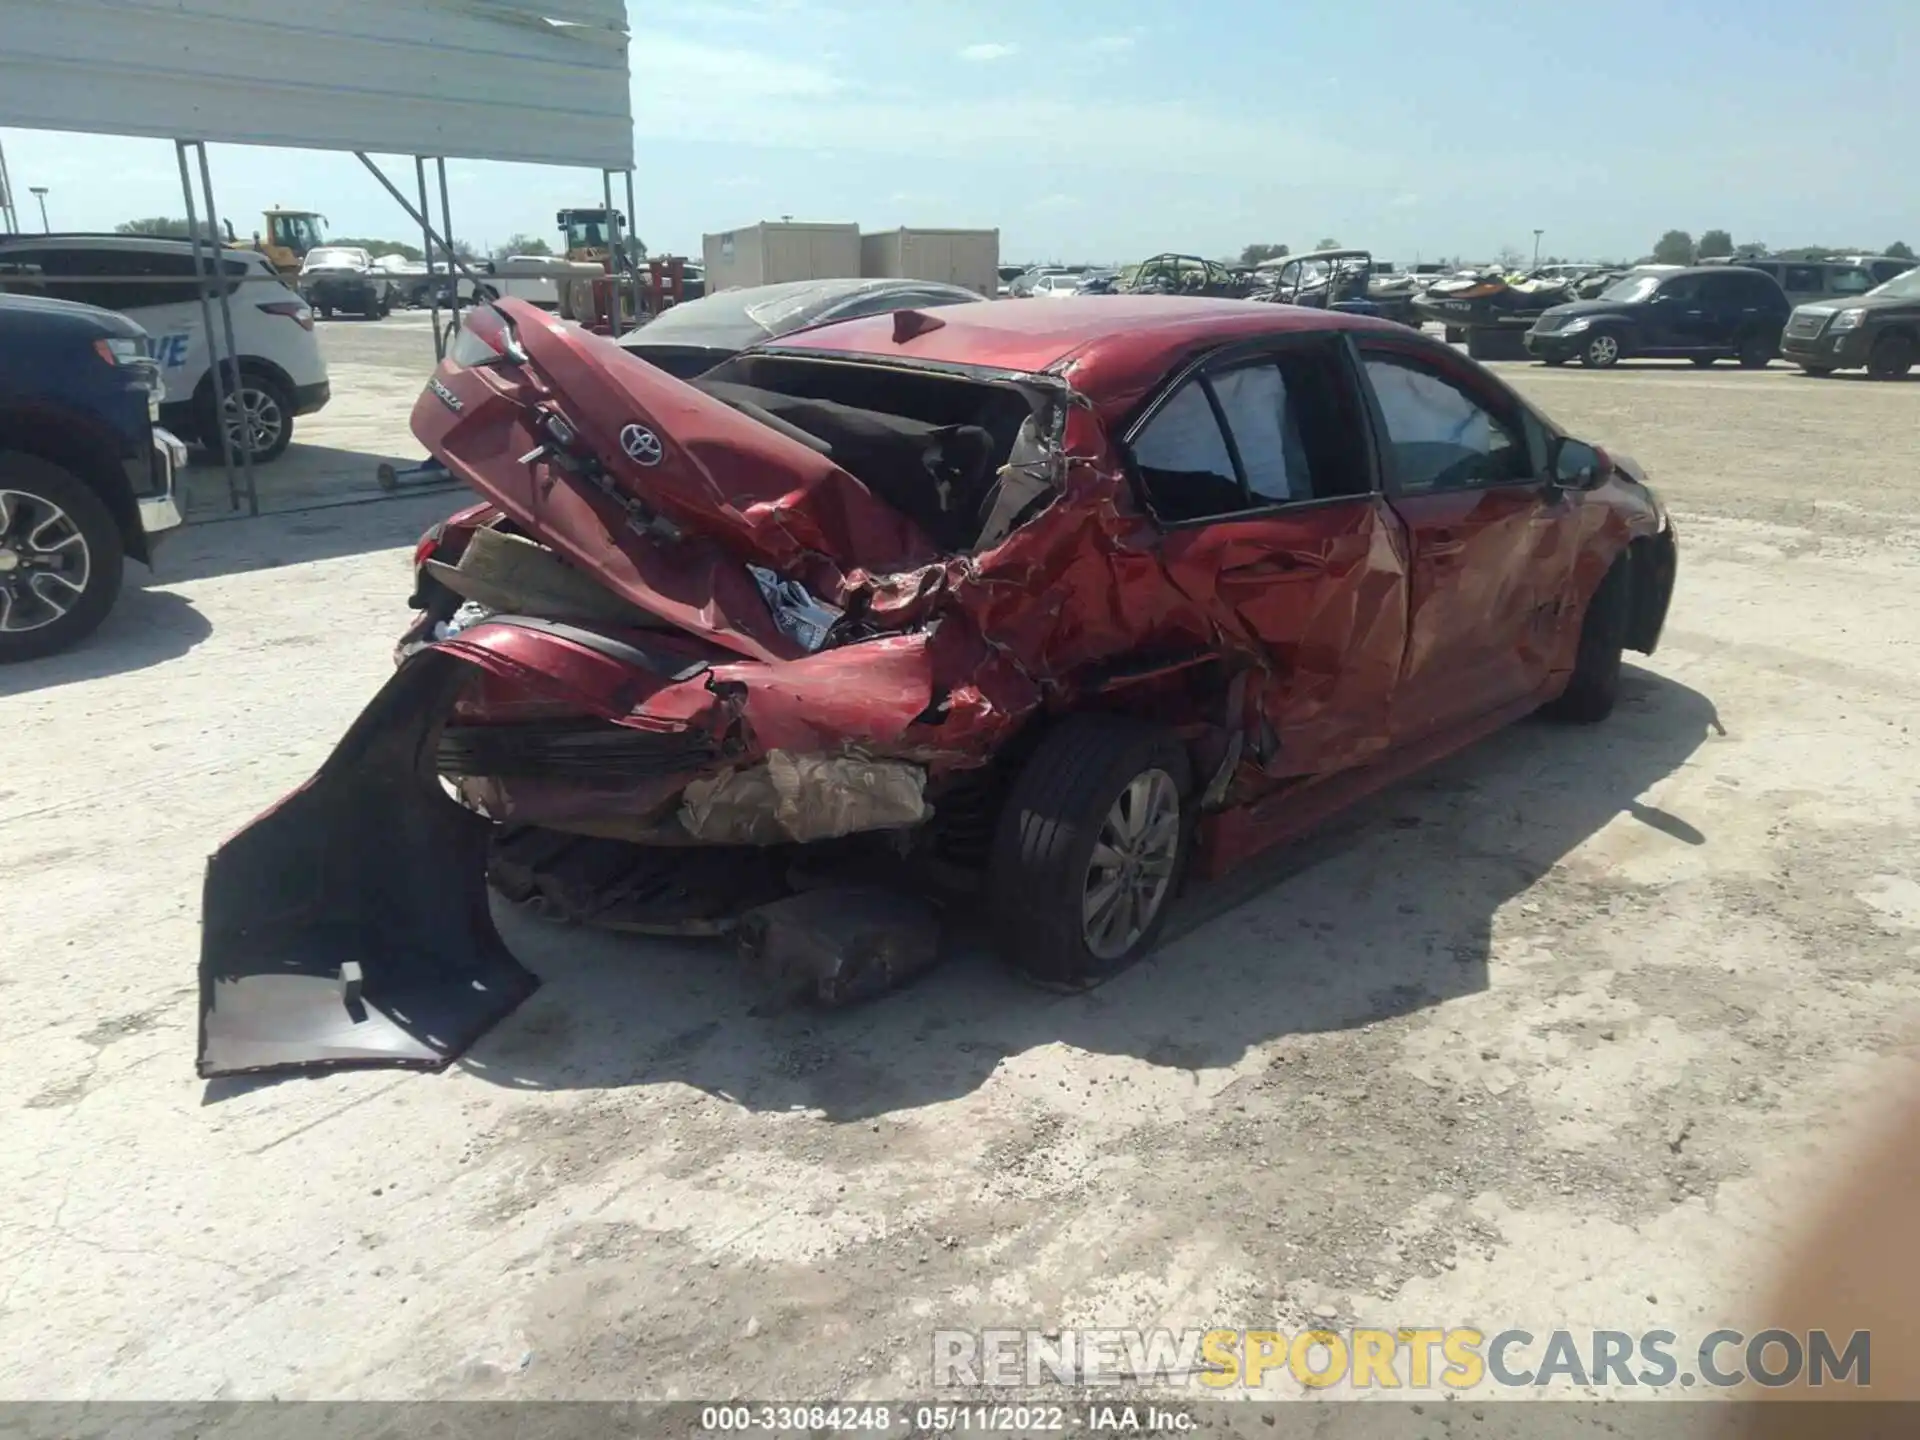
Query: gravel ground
[(1549, 1037)]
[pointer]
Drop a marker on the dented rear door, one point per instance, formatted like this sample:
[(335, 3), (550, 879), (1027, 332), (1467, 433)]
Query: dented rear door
[(1302, 567)]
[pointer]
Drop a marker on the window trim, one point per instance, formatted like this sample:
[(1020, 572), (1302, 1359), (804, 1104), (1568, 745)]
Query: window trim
[(1229, 356), (1501, 406)]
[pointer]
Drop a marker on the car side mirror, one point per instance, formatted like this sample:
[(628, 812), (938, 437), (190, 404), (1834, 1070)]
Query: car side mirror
[(1576, 465)]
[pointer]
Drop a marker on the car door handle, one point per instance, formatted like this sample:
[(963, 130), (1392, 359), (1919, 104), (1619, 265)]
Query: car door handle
[(1443, 545)]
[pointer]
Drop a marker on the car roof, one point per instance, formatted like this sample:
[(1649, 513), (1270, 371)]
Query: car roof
[(165, 244), (1117, 344)]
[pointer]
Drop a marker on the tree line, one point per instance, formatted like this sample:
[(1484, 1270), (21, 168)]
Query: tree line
[(1677, 247), (517, 244)]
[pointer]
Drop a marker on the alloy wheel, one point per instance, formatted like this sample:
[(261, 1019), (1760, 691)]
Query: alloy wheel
[(259, 430), (1602, 350), (1131, 868), (45, 564)]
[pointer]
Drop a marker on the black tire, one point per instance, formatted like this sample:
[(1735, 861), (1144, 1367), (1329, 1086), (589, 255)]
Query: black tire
[(1891, 358), (1704, 362), (52, 486), (326, 312), (486, 293), (1043, 850), (254, 388), (1819, 372), (1595, 686), (1601, 350), (1756, 352), (1554, 361)]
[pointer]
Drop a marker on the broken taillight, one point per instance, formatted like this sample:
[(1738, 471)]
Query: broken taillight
[(485, 338), (428, 543)]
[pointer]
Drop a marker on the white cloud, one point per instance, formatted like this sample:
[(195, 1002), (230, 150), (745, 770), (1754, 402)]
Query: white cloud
[(1111, 44), (988, 50)]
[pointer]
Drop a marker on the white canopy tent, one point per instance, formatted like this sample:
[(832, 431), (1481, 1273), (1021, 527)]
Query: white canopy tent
[(541, 81)]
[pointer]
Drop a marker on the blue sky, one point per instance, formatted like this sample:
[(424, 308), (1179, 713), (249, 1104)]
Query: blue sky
[(1109, 129)]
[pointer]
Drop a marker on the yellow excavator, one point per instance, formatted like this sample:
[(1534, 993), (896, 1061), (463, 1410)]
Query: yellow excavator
[(289, 236)]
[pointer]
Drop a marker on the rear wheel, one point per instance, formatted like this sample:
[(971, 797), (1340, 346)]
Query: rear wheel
[(1756, 352), (60, 558), (1891, 358), (258, 409), (1704, 362), (1090, 849), (1595, 686), (1819, 372), (1601, 352)]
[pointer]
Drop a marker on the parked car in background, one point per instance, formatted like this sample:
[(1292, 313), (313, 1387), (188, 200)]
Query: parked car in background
[(1879, 330), (1882, 267), (1804, 280), (690, 338), (1031, 612), (1023, 284), (281, 373), (345, 278), (86, 475), (1702, 314), (1055, 287)]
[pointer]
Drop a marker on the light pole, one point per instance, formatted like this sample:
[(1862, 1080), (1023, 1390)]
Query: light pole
[(1536, 248), (39, 192)]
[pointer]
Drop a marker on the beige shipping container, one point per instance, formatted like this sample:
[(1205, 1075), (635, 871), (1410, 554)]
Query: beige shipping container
[(958, 257), (775, 251)]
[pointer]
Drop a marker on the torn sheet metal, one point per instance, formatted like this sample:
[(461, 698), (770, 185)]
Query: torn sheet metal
[(840, 945), (803, 798)]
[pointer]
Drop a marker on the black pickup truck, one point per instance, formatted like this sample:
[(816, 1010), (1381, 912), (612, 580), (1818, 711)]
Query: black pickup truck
[(86, 475)]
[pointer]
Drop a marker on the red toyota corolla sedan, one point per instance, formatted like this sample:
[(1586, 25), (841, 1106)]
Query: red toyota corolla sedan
[(1031, 608)]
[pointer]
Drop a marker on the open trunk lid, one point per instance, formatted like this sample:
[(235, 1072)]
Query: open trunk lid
[(664, 493)]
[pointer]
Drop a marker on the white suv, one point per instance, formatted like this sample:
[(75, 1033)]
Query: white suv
[(151, 280)]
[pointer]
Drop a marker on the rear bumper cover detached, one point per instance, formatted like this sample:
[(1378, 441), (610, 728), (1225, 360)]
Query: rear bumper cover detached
[(349, 925)]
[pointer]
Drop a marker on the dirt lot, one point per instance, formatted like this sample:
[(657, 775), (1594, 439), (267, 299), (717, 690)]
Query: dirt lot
[(1546, 1038)]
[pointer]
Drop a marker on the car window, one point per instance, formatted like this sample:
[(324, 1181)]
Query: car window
[(1441, 437), (1294, 431), (1850, 281), (1183, 459), (1681, 287), (110, 277), (1804, 278), (1265, 430)]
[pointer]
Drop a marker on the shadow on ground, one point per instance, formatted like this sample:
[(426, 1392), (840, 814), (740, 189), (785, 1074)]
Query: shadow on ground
[(231, 546), (306, 477), (1388, 911), (146, 627)]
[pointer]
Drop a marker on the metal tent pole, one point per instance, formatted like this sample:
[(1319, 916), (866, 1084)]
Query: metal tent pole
[(633, 258), (6, 194), (426, 235), (615, 252), (225, 292), (446, 233), (204, 272)]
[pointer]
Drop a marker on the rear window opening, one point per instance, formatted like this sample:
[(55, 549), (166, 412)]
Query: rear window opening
[(932, 446)]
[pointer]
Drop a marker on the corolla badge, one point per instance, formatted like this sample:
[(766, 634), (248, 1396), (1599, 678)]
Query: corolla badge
[(641, 444)]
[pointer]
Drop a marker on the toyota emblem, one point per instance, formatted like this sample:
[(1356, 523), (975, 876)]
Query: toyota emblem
[(641, 444)]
